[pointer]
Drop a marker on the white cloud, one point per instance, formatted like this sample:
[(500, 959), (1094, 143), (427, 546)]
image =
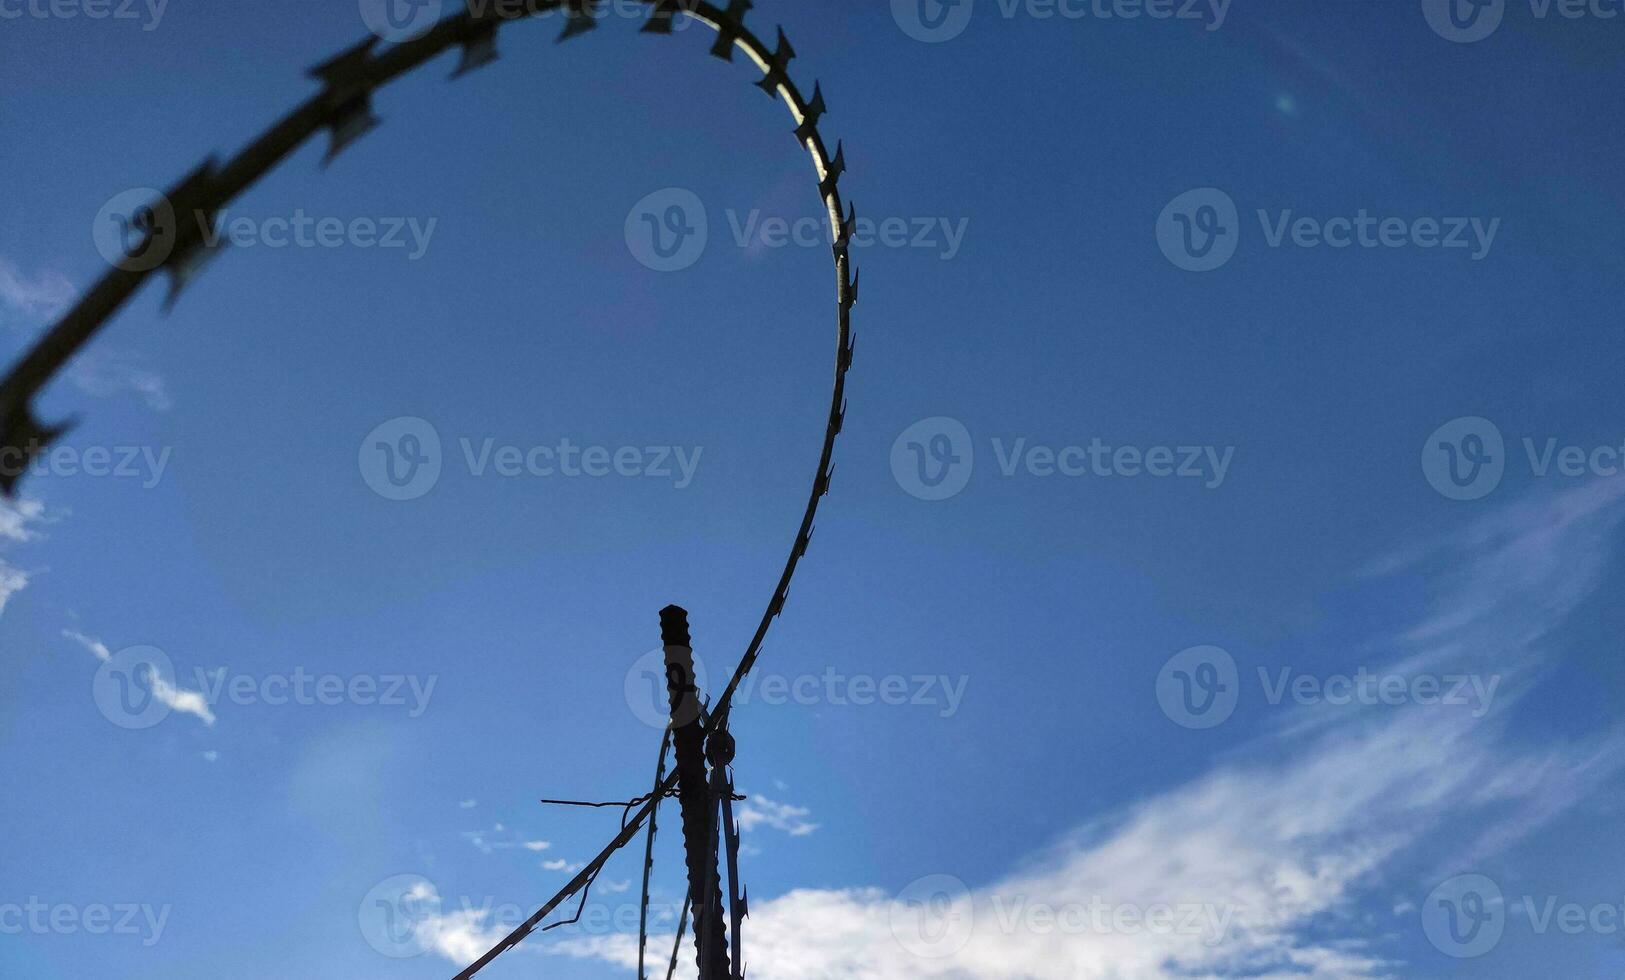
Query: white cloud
[(12, 581), (1272, 851), (40, 297), (211, 756), (560, 864), (537, 845), (17, 519), (468, 804), (17, 525), (103, 373), (760, 811), (179, 699), (175, 698), (95, 646)]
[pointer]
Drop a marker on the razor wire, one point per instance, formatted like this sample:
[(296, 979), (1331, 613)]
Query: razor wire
[(344, 109)]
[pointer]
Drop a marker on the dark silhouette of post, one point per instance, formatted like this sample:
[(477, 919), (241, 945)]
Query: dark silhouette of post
[(694, 797)]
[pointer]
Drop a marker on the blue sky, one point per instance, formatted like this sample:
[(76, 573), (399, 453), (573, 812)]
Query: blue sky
[(1335, 695)]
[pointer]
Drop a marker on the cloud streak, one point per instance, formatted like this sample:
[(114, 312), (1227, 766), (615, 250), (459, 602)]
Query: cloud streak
[(179, 699), (1261, 866)]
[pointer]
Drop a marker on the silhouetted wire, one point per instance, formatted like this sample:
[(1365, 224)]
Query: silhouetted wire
[(649, 853), (344, 107), (677, 944), (585, 891)]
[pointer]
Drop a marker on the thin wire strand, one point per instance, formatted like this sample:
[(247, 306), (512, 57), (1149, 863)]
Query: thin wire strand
[(352, 79)]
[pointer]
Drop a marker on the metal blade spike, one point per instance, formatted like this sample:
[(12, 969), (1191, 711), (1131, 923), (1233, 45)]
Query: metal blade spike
[(185, 265), (348, 96), (479, 47), (778, 66), (23, 436), (815, 111), (852, 293), (849, 225), (583, 16), (729, 25), (661, 17), (348, 70), (832, 175), (356, 122)]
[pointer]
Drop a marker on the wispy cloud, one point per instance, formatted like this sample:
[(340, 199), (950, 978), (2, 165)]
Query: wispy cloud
[(33, 301), (758, 811), (38, 297), (18, 519), (103, 373), (19, 522), (179, 699), (1274, 853), (12, 581)]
